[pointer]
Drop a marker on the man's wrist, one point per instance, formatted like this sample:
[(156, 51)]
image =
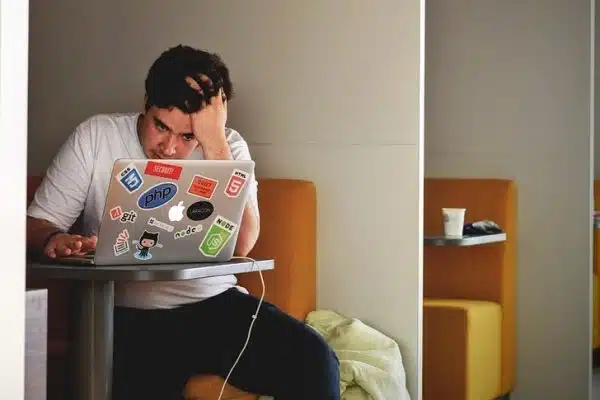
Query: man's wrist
[(50, 236), (217, 151)]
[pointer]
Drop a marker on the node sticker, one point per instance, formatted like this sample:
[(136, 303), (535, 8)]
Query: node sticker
[(162, 225), (147, 241), (115, 213), (236, 183), (163, 170), (121, 245), (130, 178), (202, 186), (190, 230), (217, 236), (157, 196)]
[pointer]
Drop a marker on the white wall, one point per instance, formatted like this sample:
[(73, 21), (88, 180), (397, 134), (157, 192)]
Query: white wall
[(508, 95), (13, 153), (324, 93)]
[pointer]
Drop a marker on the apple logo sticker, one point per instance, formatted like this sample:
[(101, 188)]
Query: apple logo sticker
[(200, 210), (176, 212)]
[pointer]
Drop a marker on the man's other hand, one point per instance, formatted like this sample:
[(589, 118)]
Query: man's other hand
[(65, 244)]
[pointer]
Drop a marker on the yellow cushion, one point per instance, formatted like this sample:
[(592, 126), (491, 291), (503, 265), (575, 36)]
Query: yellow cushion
[(462, 349)]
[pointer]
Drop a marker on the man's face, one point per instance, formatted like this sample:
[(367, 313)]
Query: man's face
[(166, 133)]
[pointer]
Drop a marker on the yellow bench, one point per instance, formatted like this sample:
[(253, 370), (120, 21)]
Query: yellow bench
[(469, 305)]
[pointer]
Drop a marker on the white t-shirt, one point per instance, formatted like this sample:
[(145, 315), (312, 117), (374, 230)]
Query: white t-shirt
[(77, 181)]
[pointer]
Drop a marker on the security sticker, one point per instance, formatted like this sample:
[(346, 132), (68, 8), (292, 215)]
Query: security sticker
[(236, 183), (147, 241), (121, 245), (128, 216), (162, 225), (217, 236), (190, 230), (202, 186), (115, 213), (130, 178), (163, 170)]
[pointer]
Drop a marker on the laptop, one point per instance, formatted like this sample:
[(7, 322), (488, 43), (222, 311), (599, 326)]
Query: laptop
[(170, 211)]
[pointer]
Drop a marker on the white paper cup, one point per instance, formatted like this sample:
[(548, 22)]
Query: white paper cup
[(454, 220)]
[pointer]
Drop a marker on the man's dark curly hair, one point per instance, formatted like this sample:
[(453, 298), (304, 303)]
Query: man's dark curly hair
[(166, 86)]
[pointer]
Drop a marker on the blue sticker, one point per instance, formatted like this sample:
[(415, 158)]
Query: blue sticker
[(157, 196), (130, 178), (147, 241)]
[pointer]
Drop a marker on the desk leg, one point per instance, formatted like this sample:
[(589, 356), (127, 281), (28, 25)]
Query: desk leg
[(94, 372)]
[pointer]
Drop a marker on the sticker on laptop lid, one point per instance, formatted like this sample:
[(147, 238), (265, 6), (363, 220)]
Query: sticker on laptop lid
[(159, 224), (200, 210), (121, 245), (147, 241), (217, 236), (157, 196), (130, 178), (190, 230), (236, 183), (115, 213), (202, 186), (128, 216), (163, 170)]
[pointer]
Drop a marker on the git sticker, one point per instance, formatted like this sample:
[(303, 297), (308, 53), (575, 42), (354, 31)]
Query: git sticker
[(202, 186), (236, 183), (121, 245), (217, 236), (130, 178), (163, 170)]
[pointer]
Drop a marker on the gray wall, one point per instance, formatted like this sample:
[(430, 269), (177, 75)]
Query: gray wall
[(508, 95)]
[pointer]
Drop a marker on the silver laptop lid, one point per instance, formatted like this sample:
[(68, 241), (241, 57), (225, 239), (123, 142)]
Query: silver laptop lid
[(169, 211)]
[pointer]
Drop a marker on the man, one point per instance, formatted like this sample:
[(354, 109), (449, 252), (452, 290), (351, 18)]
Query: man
[(166, 332)]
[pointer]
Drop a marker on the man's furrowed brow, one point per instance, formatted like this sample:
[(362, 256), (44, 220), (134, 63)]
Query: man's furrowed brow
[(159, 122)]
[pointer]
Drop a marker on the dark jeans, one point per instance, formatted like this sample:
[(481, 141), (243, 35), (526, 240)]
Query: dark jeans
[(156, 351)]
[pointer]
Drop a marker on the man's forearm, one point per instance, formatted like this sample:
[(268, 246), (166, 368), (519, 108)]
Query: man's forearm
[(248, 231), (38, 231)]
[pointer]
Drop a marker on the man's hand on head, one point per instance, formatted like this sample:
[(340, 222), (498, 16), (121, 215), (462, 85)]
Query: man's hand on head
[(208, 123), (64, 245)]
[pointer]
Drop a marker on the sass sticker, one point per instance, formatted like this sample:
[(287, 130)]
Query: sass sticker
[(128, 216), (163, 170), (236, 183), (200, 210), (115, 213), (217, 236), (202, 186), (190, 230), (162, 225), (157, 196), (130, 178), (147, 241), (121, 245)]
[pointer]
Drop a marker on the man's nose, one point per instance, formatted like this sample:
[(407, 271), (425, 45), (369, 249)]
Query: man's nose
[(169, 145)]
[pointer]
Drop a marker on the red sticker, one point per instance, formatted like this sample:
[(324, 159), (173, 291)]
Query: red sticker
[(163, 170), (116, 212), (202, 186), (236, 183)]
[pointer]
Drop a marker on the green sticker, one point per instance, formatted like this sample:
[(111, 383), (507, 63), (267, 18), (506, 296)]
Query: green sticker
[(217, 236)]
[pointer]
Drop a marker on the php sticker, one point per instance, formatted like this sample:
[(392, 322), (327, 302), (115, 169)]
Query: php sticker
[(147, 241), (157, 196), (202, 186), (128, 216), (164, 226), (200, 210), (115, 213), (163, 170), (130, 178), (236, 183), (190, 230), (217, 236), (121, 245)]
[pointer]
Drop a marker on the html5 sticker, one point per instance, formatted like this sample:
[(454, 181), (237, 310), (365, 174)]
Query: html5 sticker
[(163, 170), (236, 183), (202, 186)]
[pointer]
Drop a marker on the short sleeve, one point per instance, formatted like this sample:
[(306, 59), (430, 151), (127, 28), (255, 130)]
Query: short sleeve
[(240, 151), (61, 196)]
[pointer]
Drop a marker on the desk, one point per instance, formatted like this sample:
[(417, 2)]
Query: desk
[(467, 240), (97, 283)]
